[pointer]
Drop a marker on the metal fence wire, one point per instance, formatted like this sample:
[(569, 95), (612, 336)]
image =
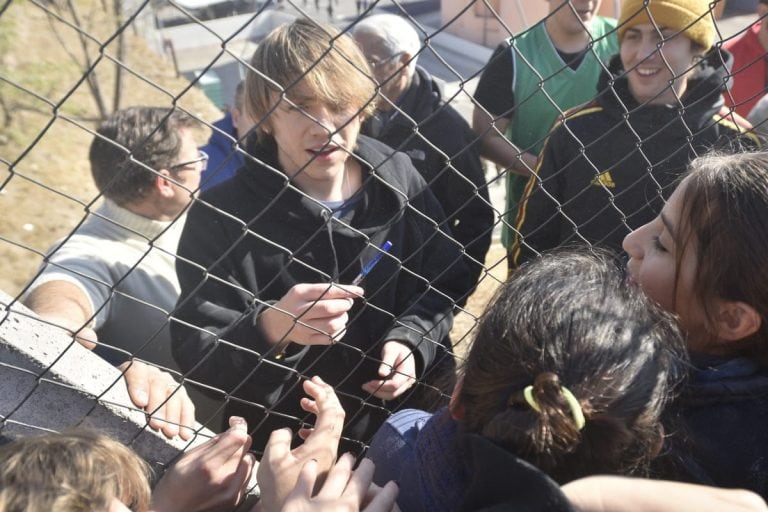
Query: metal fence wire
[(197, 309)]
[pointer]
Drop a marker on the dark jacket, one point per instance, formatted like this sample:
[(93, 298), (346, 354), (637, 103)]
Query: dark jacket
[(223, 159), (608, 167), (716, 428), (441, 146), (437, 467), (249, 240)]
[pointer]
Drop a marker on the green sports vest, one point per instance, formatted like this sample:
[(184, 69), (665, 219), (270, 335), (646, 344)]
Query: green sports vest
[(534, 112)]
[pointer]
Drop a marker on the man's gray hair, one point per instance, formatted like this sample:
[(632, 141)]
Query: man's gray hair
[(397, 34)]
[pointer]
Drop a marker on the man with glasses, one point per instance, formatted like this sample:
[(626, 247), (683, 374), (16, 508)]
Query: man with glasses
[(413, 118), (112, 282)]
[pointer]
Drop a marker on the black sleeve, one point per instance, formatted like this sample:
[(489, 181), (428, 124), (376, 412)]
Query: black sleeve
[(494, 89), (216, 338), (539, 222)]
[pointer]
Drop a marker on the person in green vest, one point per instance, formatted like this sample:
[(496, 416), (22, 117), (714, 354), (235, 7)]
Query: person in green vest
[(513, 113)]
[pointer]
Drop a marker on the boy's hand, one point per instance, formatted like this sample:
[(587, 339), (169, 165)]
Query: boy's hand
[(310, 314), (280, 466), (211, 476), (397, 372), (344, 489)]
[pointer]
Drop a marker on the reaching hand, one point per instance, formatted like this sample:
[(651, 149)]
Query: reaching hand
[(164, 399), (211, 476), (397, 372), (344, 490), (280, 466), (310, 314)]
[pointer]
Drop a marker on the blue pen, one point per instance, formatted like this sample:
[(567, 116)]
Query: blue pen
[(369, 266)]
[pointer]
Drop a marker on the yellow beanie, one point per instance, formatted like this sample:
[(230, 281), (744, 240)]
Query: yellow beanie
[(692, 18)]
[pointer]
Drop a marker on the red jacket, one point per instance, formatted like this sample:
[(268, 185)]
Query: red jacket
[(748, 71)]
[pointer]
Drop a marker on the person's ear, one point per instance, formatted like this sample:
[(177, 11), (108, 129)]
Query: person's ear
[(404, 59), (736, 320), (236, 115), (455, 407), (164, 183)]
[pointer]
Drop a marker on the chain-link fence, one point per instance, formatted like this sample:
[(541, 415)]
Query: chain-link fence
[(247, 292)]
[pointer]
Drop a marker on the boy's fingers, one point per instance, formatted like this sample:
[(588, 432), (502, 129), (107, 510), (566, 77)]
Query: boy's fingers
[(172, 413), (304, 433), (306, 481), (231, 443), (384, 500), (187, 417), (338, 476), (137, 381), (317, 291), (238, 423), (325, 308), (361, 480), (279, 445), (309, 406)]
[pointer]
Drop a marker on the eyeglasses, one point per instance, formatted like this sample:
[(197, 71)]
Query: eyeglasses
[(375, 64), (202, 156)]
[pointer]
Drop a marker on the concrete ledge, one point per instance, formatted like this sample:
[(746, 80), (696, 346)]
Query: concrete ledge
[(50, 383)]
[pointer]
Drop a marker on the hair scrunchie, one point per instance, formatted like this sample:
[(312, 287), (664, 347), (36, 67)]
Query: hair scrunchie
[(576, 412)]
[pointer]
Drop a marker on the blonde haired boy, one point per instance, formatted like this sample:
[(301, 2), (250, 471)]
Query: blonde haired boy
[(271, 255)]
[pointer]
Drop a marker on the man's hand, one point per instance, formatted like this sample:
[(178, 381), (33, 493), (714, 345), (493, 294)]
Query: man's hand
[(310, 314), (397, 372), (212, 476), (280, 466), (165, 400), (344, 490)]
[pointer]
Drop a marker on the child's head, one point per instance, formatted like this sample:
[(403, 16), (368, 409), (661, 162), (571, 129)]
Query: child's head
[(569, 319), (703, 257), (661, 43), (310, 88), (303, 60), (158, 139), (77, 471)]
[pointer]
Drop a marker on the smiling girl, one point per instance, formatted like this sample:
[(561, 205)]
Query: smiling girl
[(704, 259), (607, 167)]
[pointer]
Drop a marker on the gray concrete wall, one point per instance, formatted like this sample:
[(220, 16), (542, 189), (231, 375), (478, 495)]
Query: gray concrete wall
[(50, 383)]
